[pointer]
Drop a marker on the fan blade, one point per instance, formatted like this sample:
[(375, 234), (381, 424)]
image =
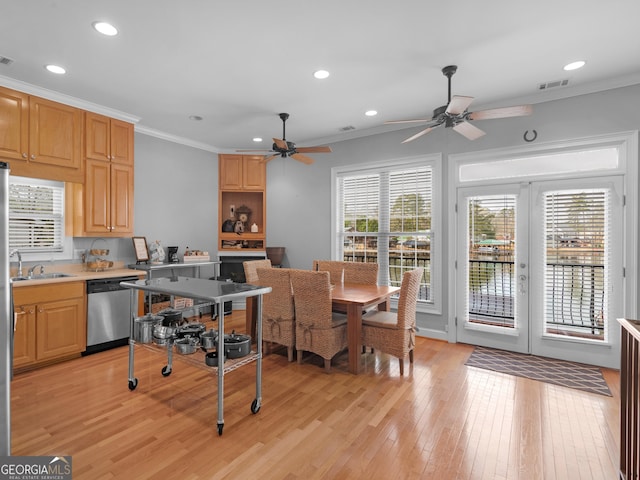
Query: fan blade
[(419, 134), (280, 143), (504, 112), (302, 158), (458, 104), (322, 149), (470, 131), (421, 120), (268, 158)]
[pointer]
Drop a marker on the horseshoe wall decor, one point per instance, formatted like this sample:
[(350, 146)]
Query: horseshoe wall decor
[(535, 135)]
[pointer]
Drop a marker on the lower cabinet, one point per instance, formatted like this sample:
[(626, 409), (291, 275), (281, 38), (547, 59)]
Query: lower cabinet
[(51, 324)]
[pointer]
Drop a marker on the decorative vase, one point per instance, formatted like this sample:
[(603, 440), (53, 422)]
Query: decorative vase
[(275, 254)]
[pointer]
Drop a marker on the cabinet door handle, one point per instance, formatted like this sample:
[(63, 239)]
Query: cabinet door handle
[(24, 154), (33, 156)]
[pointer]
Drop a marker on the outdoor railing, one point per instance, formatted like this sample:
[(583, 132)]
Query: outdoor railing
[(574, 296), (398, 264)]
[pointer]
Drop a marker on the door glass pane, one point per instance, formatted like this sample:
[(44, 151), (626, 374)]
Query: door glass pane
[(491, 242), (575, 264)]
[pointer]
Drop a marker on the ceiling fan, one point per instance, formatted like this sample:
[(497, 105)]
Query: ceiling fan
[(284, 149), (455, 114)]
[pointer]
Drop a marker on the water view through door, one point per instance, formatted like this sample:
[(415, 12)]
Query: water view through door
[(539, 263)]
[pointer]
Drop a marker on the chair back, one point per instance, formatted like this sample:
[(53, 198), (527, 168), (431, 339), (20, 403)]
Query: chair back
[(334, 267), (250, 267), (278, 304), (361, 272), (408, 298), (312, 298), (348, 272)]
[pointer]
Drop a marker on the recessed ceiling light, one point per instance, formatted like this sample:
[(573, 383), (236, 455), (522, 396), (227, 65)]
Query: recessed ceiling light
[(257, 139), (195, 118), (55, 69), (371, 113), (105, 28), (321, 74), (574, 65)]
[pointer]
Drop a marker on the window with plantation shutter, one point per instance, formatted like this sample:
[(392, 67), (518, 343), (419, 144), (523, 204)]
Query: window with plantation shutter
[(384, 215), (36, 215)]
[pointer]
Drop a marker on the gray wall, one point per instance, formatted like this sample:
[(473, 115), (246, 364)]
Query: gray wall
[(175, 200)]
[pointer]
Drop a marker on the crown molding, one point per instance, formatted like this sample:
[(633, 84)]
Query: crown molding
[(66, 99)]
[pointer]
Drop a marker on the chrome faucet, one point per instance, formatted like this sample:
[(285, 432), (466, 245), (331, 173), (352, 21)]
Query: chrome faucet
[(30, 273), (16, 252)]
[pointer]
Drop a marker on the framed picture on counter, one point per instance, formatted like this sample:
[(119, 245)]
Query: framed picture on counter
[(140, 247)]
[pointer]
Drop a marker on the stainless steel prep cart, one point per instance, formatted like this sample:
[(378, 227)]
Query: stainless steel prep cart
[(212, 291), (149, 268)]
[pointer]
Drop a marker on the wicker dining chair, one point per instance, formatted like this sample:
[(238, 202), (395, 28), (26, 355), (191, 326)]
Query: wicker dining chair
[(348, 272), (318, 329), (334, 267), (361, 272), (251, 308), (395, 333), (278, 314)]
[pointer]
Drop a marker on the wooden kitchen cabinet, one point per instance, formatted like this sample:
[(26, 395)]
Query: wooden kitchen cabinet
[(102, 205), (108, 199), (108, 139), (24, 348), (41, 138), (242, 172), (51, 324), (242, 183)]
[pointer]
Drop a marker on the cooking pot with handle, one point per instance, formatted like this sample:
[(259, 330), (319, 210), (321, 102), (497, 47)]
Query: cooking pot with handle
[(237, 345)]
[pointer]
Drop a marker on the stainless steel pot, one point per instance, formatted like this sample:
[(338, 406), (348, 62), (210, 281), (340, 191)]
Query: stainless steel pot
[(209, 338), (236, 345), (162, 331), (211, 359), (186, 346), (191, 330), (143, 327), (171, 317)]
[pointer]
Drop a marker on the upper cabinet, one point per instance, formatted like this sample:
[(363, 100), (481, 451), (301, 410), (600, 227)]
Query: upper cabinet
[(241, 202), (40, 138), (242, 172), (108, 200), (103, 205), (108, 139)]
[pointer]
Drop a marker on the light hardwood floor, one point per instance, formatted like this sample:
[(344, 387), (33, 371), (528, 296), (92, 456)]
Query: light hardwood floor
[(442, 420)]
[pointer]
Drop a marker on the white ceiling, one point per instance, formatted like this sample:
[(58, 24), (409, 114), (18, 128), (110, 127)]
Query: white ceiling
[(238, 63)]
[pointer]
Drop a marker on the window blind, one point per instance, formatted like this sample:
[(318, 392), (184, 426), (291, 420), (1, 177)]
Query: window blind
[(384, 216), (577, 229), (36, 216)]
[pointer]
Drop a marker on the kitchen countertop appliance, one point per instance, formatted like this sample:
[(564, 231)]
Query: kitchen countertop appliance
[(108, 313)]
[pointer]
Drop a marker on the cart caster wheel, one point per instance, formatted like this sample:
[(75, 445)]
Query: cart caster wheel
[(133, 384), (220, 427), (166, 371), (255, 406)]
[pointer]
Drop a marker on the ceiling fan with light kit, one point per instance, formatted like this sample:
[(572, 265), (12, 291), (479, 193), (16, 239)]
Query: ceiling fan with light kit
[(283, 148), (455, 114)]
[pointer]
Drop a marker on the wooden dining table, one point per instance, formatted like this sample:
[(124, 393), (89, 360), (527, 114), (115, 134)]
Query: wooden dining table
[(354, 298)]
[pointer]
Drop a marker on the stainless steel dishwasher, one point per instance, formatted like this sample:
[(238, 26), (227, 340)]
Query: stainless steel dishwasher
[(108, 313)]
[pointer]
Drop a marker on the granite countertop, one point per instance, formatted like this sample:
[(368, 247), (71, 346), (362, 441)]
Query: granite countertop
[(79, 273)]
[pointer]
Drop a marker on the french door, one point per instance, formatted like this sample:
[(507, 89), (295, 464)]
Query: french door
[(539, 268)]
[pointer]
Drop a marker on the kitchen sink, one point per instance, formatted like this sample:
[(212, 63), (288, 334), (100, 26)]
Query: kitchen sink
[(42, 276)]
